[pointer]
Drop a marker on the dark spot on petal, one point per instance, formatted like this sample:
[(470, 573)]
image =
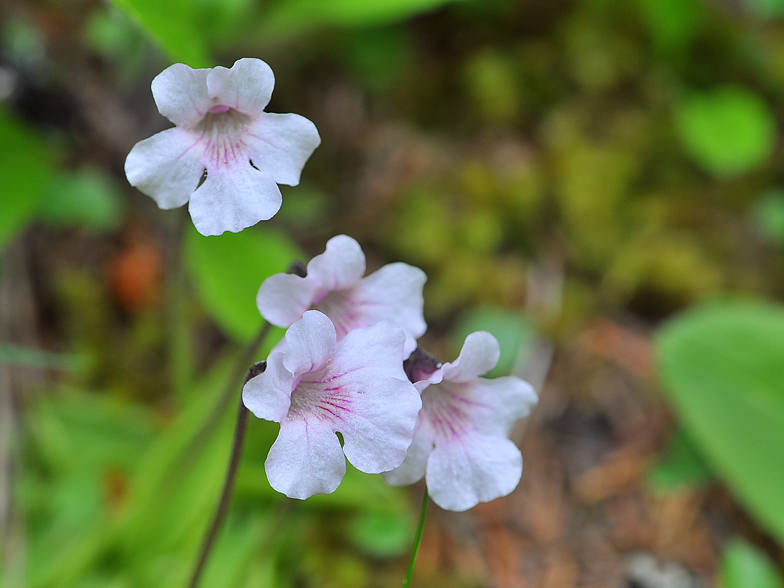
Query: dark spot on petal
[(202, 179), (252, 165)]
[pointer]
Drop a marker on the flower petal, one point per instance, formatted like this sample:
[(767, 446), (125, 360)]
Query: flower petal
[(306, 459), (311, 342), (284, 298), (384, 406), (180, 93), (373, 351), (166, 167), (340, 266), (381, 425), (246, 87), (498, 404), (394, 293), (472, 468), (232, 199), (478, 356), (413, 467), (280, 144), (268, 395)]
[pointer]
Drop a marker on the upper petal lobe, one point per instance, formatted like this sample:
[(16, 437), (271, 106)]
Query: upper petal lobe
[(180, 93), (246, 87)]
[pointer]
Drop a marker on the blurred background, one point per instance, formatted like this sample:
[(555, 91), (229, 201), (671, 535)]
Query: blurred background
[(600, 184)]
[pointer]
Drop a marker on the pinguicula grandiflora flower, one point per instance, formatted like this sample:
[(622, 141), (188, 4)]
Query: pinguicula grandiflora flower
[(461, 445), (334, 285), (319, 387), (221, 131)]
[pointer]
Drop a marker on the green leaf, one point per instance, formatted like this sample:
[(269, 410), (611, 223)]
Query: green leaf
[(513, 330), (78, 431), (728, 131), (722, 367), (25, 172), (743, 566), (228, 270), (291, 17), (235, 550), (86, 444), (86, 198), (171, 24), (177, 483), (382, 534)]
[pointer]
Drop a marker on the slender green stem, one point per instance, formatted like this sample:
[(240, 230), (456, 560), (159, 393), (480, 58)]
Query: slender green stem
[(228, 484), (417, 539)]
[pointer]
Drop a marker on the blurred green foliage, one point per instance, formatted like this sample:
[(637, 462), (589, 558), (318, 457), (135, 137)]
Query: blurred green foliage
[(744, 566), (86, 198), (112, 489), (721, 364), (173, 25), (633, 143), (728, 131), (24, 173), (228, 270), (512, 329)]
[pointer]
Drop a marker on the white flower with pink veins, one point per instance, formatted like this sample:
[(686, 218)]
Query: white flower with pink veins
[(319, 387), (221, 129), (334, 285), (461, 444)]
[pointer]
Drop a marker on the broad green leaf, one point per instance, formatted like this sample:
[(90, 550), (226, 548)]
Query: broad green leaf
[(743, 566), (171, 24), (722, 367), (290, 17), (86, 198), (24, 174), (382, 534), (513, 330), (228, 270), (728, 131)]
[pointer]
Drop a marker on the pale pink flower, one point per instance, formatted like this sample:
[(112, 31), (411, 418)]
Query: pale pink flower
[(221, 129), (461, 444), (334, 285), (319, 387)]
